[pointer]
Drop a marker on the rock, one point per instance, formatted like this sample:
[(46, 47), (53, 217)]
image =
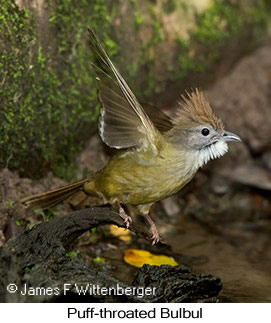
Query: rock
[(220, 185), (178, 284), (242, 99), (266, 158), (171, 206), (252, 175)]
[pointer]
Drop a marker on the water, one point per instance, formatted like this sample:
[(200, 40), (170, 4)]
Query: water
[(229, 237), (241, 256)]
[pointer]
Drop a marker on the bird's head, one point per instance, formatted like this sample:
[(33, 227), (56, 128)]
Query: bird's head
[(198, 131)]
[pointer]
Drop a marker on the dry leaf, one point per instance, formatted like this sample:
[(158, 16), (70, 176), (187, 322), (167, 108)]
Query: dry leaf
[(122, 233), (98, 259), (138, 258)]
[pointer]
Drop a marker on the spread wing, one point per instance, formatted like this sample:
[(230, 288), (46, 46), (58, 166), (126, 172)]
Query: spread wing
[(123, 122), (160, 119)]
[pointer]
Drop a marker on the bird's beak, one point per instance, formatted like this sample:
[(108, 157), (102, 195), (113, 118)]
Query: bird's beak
[(229, 136)]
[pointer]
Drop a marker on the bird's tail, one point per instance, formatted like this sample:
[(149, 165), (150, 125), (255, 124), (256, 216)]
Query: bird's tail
[(52, 198)]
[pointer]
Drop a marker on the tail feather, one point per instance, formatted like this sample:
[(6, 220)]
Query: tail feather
[(54, 197)]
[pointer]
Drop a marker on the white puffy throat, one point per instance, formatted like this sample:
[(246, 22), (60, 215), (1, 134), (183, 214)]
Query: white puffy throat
[(213, 151)]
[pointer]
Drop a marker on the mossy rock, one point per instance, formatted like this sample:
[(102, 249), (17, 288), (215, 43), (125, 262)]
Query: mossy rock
[(49, 104), (48, 94)]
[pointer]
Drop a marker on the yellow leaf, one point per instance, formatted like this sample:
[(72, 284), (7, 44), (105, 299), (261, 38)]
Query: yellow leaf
[(138, 258), (98, 259), (122, 233), (125, 238)]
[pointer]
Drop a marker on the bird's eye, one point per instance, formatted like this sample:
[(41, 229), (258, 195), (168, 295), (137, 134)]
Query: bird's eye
[(205, 131)]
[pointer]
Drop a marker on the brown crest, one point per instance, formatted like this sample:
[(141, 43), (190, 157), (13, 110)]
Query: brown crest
[(196, 111)]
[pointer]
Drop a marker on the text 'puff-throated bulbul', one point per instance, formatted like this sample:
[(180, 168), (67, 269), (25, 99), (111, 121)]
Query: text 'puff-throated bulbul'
[(162, 154)]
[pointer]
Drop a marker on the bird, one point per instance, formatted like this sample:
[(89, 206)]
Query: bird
[(158, 154)]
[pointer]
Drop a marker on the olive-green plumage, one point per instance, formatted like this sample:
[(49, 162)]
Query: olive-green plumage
[(140, 177)]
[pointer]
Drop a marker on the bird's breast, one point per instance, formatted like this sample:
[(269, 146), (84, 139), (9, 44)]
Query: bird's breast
[(138, 178)]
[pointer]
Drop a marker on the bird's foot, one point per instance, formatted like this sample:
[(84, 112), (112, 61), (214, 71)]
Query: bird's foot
[(154, 232), (126, 218), (155, 235)]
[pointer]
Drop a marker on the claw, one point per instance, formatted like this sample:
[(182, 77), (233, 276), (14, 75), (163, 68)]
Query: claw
[(155, 234), (126, 218)]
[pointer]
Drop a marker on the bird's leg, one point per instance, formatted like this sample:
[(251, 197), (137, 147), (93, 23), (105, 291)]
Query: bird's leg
[(145, 210), (126, 218), (155, 234)]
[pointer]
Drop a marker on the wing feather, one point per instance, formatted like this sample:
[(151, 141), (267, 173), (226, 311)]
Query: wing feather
[(160, 119), (123, 122)]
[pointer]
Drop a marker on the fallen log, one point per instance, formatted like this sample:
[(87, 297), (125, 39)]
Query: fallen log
[(35, 262)]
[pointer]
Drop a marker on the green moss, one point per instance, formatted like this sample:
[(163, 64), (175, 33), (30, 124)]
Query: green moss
[(72, 254), (9, 204), (157, 26), (215, 29), (147, 58), (18, 223), (138, 15), (170, 5), (27, 269), (48, 95), (220, 22), (46, 214), (259, 17)]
